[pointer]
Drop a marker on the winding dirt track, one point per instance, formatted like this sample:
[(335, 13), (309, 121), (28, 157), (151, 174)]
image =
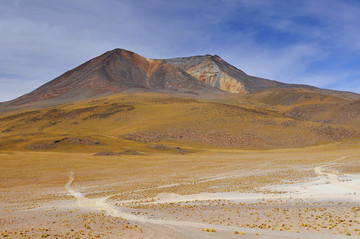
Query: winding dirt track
[(101, 204), (333, 176)]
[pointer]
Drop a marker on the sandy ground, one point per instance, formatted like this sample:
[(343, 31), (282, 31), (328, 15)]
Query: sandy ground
[(205, 195)]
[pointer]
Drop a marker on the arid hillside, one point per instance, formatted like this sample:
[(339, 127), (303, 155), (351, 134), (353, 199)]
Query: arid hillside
[(157, 121), (214, 71), (122, 71), (113, 72), (308, 105)]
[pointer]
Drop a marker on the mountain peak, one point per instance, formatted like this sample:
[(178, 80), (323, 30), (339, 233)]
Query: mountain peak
[(120, 50), (115, 71), (216, 57)]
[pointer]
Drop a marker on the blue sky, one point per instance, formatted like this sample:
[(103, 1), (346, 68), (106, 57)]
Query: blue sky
[(294, 41)]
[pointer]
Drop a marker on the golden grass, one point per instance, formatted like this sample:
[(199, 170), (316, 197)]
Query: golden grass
[(153, 118)]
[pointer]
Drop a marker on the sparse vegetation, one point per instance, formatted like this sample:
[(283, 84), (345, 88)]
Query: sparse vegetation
[(170, 168)]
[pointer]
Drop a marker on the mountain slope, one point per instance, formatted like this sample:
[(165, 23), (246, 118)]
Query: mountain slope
[(309, 105), (214, 71), (124, 71), (113, 72)]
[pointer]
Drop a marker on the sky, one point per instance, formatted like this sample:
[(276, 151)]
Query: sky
[(292, 41)]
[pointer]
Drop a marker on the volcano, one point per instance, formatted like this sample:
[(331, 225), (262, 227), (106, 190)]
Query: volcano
[(120, 70)]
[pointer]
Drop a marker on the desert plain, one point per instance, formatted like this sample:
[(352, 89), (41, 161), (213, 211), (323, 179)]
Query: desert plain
[(311, 192)]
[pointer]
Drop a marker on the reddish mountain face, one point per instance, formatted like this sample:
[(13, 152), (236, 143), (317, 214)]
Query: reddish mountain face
[(113, 72), (124, 71)]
